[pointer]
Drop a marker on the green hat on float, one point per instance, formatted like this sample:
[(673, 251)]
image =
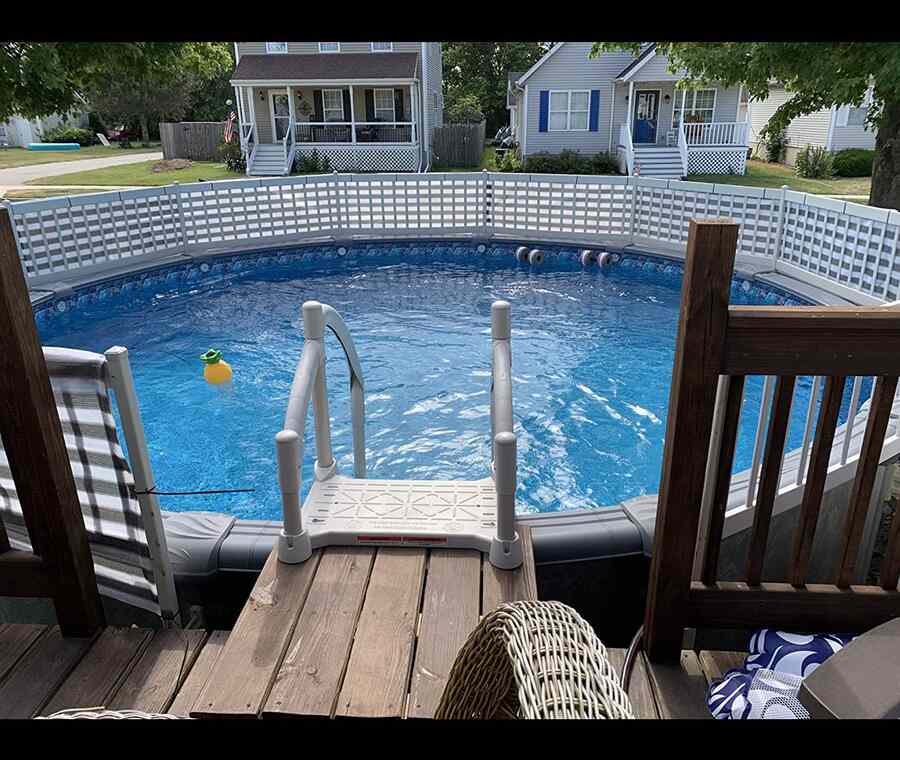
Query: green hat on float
[(212, 356)]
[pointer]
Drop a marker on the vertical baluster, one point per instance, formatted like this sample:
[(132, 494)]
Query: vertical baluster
[(807, 431), (851, 417), (768, 388), (815, 482)]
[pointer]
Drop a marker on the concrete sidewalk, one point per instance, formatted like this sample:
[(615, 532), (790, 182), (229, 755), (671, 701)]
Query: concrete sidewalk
[(19, 175)]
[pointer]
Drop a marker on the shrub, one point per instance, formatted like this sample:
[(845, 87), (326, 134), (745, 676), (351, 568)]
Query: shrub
[(776, 144), (64, 134), (125, 143), (233, 156), (814, 163), (854, 162), (510, 161), (464, 110), (570, 162), (311, 163)]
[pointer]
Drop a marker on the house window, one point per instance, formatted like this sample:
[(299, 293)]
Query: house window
[(333, 105), (856, 117), (699, 107), (276, 47), (382, 47), (569, 111), (329, 47), (384, 105)]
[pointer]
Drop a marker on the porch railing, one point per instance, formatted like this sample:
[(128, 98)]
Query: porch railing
[(683, 149), (366, 132), (287, 143), (716, 133), (248, 141), (628, 146)]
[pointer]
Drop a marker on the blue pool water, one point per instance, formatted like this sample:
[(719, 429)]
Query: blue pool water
[(592, 362)]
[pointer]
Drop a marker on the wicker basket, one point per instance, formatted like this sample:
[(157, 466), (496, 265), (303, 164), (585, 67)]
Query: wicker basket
[(533, 660)]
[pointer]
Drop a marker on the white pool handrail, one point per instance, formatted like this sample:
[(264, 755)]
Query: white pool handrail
[(504, 440), (309, 384)]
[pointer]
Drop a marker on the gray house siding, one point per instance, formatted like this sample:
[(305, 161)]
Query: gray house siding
[(852, 136), (811, 129), (571, 69)]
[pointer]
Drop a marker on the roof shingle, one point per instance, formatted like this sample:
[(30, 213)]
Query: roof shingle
[(335, 66)]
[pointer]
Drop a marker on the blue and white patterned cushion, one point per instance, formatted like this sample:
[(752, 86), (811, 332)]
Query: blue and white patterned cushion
[(791, 654)]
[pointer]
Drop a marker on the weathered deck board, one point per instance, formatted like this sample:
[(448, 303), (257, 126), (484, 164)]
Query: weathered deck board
[(156, 677), (680, 690), (38, 674), (15, 639), (449, 613), (509, 585), (310, 677), (198, 675), (716, 664), (240, 680), (640, 693), (101, 670), (377, 678)]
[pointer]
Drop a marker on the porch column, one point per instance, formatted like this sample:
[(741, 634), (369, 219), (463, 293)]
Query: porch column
[(352, 117), (630, 107), (251, 99), (412, 114)]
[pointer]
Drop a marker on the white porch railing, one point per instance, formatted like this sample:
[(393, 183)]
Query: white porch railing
[(627, 145), (248, 142), (716, 133), (396, 132), (287, 143)]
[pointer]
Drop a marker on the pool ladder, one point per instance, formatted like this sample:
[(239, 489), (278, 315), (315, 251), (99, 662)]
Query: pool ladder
[(356, 511)]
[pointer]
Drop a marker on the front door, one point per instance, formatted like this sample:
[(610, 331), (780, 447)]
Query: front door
[(646, 111), (281, 115)]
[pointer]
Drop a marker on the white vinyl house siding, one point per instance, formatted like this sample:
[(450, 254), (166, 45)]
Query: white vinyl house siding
[(433, 78), (259, 48), (571, 69), (851, 136), (811, 129)]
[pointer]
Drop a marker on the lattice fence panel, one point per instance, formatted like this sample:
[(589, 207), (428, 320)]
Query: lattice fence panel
[(717, 161), (399, 158)]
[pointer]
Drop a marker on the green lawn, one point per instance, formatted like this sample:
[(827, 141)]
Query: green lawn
[(30, 195), (12, 157), (762, 174), (142, 174), (488, 161)]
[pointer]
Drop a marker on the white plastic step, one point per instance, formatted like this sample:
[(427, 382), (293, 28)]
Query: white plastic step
[(454, 514)]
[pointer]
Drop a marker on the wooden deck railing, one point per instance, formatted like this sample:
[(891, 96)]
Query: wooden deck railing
[(61, 566), (717, 340)]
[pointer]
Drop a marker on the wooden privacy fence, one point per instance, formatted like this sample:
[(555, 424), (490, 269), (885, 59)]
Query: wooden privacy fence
[(458, 144), (718, 344), (196, 140)]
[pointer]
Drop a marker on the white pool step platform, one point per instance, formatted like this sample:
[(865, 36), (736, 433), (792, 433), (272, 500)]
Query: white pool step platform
[(454, 514)]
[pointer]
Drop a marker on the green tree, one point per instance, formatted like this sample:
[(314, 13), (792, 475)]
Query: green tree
[(479, 70), (817, 74)]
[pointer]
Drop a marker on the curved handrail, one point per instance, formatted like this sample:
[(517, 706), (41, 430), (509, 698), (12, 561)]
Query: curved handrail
[(309, 385), (503, 439)]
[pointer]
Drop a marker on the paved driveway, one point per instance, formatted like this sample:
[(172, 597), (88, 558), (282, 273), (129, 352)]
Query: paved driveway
[(19, 175)]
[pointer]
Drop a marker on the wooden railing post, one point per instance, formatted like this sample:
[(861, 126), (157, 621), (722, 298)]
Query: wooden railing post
[(699, 347), (33, 439)]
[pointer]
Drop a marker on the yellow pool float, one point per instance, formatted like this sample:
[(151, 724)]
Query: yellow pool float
[(217, 370)]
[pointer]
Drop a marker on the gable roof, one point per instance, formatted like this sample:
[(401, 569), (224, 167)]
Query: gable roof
[(638, 62), (315, 66), (546, 57)]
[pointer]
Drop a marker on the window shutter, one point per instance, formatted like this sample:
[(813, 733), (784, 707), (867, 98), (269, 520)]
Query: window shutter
[(318, 107), (346, 105), (595, 110), (370, 105), (398, 105), (544, 114)]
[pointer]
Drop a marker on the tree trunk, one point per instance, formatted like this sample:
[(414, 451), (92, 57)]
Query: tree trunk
[(885, 190), (145, 131)]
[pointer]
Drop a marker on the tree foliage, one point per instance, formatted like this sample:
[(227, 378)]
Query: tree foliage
[(480, 69), (817, 75)]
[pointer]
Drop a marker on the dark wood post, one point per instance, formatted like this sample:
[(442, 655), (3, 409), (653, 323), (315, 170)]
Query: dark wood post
[(33, 439), (699, 348)]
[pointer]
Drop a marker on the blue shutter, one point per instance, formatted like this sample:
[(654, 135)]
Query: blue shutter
[(545, 110), (595, 110)]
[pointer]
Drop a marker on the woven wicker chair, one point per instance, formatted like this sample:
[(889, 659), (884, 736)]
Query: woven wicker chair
[(533, 660), (98, 713)]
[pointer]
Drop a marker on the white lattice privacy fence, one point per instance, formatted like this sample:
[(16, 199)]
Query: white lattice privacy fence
[(356, 158), (837, 245)]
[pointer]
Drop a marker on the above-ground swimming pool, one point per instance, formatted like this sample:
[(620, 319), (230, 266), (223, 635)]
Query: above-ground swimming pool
[(592, 364)]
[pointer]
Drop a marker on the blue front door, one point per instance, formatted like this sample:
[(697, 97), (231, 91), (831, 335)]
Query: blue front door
[(646, 112)]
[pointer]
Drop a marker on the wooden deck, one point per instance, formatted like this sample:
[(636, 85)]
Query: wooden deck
[(353, 632)]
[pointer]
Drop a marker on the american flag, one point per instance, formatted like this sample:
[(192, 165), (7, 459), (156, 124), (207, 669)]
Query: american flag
[(229, 126)]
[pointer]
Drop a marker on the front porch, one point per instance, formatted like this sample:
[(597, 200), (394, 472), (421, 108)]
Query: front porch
[(669, 132)]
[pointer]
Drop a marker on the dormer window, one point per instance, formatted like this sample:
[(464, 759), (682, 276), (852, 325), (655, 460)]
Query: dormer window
[(329, 47), (276, 47), (382, 47)]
